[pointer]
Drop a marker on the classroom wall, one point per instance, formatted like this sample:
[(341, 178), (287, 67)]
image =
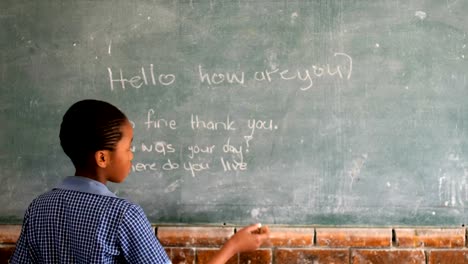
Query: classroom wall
[(299, 245)]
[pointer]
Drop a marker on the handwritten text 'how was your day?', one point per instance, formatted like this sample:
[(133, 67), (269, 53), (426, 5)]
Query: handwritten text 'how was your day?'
[(148, 76), (227, 154)]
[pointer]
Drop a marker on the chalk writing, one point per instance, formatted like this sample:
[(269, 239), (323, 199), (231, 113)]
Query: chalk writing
[(159, 123), (144, 78), (198, 123), (228, 151), (342, 70), (227, 154), (158, 147), (195, 149), (339, 67), (219, 78), (260, 124), (195, 167)]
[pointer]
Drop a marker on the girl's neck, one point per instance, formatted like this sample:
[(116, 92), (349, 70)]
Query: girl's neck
[(94, 175)]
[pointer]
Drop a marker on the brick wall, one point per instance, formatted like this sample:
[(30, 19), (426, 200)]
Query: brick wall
[(302, 245)]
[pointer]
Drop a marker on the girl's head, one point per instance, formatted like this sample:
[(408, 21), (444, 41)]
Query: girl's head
[(95, 134)]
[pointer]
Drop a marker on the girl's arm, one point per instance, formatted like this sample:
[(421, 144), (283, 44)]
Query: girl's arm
[(246, 239)]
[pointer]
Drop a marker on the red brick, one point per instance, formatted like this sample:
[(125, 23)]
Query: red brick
[(291, 237), (181, 255), (441, 256), (388, 256), (315, 255), (9, 233), (354, 237), (445, 238), (261, 256), (6, 251), (204, 255), (194, 236)]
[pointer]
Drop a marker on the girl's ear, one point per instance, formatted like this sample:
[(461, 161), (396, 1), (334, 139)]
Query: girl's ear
[(102, 158)]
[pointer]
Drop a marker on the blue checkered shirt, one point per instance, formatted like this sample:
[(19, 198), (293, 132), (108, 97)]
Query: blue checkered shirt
[(81, 221)]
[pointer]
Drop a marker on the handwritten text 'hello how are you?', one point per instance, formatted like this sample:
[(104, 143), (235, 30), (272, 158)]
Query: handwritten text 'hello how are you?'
[(147, 76)]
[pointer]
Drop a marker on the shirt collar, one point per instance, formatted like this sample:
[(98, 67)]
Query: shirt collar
[(87, 185)]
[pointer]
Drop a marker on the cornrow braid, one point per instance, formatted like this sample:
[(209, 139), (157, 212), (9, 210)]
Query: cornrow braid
[(89, 126)]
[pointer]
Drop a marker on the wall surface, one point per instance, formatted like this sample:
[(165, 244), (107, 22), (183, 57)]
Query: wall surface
[(302, 245)]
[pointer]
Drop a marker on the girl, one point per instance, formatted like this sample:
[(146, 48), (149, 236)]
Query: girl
[(81, 221)]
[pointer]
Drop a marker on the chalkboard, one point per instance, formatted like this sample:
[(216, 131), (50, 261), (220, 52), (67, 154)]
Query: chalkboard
[(323, 112)]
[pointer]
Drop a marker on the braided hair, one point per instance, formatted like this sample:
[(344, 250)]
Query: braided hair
[(89, 126)]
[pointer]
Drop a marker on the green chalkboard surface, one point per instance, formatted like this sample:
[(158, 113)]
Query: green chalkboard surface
[(323, 112)]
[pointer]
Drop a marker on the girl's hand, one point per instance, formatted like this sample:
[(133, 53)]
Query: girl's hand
[(247, 239)]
